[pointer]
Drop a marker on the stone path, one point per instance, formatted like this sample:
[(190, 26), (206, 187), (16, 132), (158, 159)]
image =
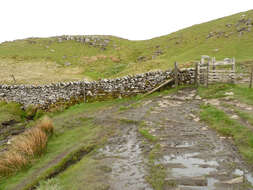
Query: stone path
[(195, 156)]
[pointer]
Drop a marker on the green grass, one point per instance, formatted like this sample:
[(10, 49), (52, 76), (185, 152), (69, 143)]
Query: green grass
[(242, 136), (241, 92), (14, 111), (11, 111), (157, 172), (245, 116), (51, 184), (185, 46), (87, 173), (244, 94), (215, 91), (145, 133)]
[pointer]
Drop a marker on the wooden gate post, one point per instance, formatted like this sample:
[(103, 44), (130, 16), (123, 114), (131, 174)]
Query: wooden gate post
[(13, 77), (251, 78), (176, 74), (213, 63)]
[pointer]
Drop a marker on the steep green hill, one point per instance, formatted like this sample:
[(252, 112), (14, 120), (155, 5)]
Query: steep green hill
[(43, 60)]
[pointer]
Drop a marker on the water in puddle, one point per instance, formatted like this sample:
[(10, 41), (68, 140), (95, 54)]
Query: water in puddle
[(192, 165), (127, 163)]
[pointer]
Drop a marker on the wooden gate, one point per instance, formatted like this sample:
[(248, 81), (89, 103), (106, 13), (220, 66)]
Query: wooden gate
[(212, 71)]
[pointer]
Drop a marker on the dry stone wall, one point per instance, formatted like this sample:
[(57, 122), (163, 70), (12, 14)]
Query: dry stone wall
[(44, 96)]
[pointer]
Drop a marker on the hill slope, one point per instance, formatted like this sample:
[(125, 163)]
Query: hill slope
[(44, 60)]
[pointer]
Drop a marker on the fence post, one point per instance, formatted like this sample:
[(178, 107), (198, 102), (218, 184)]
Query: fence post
[(176, 74), (13, 77), (213, 62), (196, 82), (251, 78), (202, 60), (233, 65)]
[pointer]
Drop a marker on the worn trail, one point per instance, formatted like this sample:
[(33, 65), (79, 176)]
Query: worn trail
[(195, 157)]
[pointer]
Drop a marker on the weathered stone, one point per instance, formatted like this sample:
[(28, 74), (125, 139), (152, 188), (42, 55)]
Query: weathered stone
[(45, 95), (234, 181), (234, 117), (229, 93)]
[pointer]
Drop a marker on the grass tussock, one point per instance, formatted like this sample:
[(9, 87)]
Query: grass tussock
[(32, 143), (25, 147), (51, 184), (46, 125), (12, 161)]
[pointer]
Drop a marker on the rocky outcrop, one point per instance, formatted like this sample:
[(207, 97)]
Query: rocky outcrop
[(45, 95), (95, 41), (243, 25)]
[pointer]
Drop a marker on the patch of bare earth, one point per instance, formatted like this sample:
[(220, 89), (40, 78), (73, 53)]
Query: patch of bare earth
[(195, 157)]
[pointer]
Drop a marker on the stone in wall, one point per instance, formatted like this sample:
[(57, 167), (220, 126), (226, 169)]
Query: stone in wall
[(45, 95)]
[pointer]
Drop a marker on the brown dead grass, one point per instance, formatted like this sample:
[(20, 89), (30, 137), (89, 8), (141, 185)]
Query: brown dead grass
[(93, 59), (25, 147), (11, 162), (46, 125), (32, 143), (115, 59), (37, 72)]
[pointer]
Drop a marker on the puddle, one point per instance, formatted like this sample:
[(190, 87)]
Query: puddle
[(192, 165), (125, 158)]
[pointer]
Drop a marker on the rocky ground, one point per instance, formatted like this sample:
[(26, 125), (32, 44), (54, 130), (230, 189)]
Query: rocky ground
[(193, 156)]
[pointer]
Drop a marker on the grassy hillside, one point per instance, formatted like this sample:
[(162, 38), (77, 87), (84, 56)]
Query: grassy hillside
[(44, 60)]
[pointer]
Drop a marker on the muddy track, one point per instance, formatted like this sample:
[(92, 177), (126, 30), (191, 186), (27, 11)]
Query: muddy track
[(195, 156), (124, 155)]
